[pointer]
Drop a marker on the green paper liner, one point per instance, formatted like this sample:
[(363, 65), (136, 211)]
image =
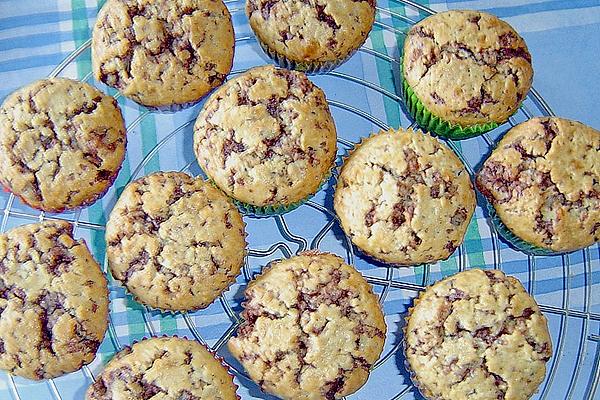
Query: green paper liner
[(308, 67), (433, 123), (276, 209), (516, 242)]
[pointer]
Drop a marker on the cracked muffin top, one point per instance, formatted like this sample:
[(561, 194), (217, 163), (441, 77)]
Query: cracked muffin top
[(266, 137), (404, 198), (163, 52), (175, 242), (164, 368), (53, 301), (467, 67), (312, 30), (543, 180), (477, 335), (312, 328), (62, 143)]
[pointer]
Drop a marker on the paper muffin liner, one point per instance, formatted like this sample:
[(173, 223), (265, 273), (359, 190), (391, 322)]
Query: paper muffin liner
[(427, 120), (341, 161), (172, 108), (270, 210), (513, 240), (308, 67), (213, 353), (413, 376)]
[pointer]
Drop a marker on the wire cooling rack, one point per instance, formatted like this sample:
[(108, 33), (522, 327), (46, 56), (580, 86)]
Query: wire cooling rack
[(364, 97)]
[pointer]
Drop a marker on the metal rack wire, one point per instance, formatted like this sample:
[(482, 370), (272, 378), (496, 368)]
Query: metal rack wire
[(569, 321)]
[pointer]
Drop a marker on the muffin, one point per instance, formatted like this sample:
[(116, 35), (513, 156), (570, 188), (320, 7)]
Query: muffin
[(53, 301), (165, 368), (311, 36), (62, 143), (404, 198), (477, 335), (163, 53), (267, 139), (175, 242), (543, 181), (312, 328), (464, 73)]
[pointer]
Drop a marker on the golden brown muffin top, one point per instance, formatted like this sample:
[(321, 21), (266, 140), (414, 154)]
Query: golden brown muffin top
[(174, 241), (266, 137), (477, 335), (53, 301), (164, 368), (312, 30), (404, 198), (62, 143), (543, 180), (467, 67), (312, 329), (163, 52)]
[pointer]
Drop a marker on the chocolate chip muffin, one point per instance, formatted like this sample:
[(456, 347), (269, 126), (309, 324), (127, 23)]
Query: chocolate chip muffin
[(464, 72), (404, 198), (543, 180), (477, 335), (53, 301), (309, 35), (163, 53), (164, 368), (312, 328), (62, 143), (175, 242), (267, 139)]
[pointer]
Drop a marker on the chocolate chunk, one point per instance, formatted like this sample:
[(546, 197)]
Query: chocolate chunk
[(475, 20), (324, 17), (398, 217), (149, 390), (333, 387), (507, 39), (437, 99), (450, 246), (485, 335), (186, 395), (421, 32), (230, 146), (456, 294), (137, 264), (528, 312), (266, 8), (459, 217), (370, 217)]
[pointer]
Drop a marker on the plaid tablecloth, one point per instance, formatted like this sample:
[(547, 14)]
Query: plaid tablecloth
[(36, 37)]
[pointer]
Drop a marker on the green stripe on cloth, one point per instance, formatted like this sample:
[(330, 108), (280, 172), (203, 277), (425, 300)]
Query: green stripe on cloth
[(472, 243), (148, 128), (386, 78), (168, 324)]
